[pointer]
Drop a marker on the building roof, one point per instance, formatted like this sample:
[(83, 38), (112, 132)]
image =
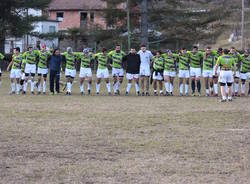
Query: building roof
[(77, 5)]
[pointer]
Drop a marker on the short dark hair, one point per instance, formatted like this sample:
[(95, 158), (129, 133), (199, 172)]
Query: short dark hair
[(104, 49), (118, 45), (232, 47), (18, 49), (208, 47), (143, 45), (159, 51), (54, 51), (195, 47), (225, 51), (220, 49)]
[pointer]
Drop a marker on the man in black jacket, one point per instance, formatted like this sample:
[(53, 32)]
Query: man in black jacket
[(133, 62)]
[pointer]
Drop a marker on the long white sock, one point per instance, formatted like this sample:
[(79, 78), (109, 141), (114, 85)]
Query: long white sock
[(129, 87), (17, 88), (98, 88), (115, 87), (137, 87), (243, 88), (207, 91), (25, 86), (44, 86), (186, 88), (108, 87), (89, 86), (181, 88), (167, 86), (39, 87), (82, 88), (236, 87), (118, 85), (216, 88), (12, 87), (68, 86), (224, 97), (171, 88), (32, 85)]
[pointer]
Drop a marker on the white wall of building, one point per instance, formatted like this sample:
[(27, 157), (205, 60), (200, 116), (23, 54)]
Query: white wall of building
[(39, 27)]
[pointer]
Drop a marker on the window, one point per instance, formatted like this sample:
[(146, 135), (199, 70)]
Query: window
[(59, 16), (52, 29), (92, 16), (84, 19), (84, 16)]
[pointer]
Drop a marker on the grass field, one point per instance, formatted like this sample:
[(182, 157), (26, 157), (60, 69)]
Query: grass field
[(123, 140)]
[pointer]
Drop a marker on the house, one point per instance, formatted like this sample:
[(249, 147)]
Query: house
[(41, 27), (79, 13)]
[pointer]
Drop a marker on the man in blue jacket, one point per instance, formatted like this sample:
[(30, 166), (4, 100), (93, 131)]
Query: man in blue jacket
[(55, 68)]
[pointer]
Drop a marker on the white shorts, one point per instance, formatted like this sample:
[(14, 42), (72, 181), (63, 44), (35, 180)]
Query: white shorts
[(30, 68), (218, 71), (23, 76), (226, 77), (85, 72), (117, 72), (245, 76), (195, 72), (184, 74), (144, 71), (132, 76), (15, 74), (102, 73), (70, 73), (207, 73), (157, 76), (0, 70), (169, 73), (42, 71), (237, 74)]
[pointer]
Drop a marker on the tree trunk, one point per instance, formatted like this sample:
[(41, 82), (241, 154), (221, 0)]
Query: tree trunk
[(144, 22), (2, 41)]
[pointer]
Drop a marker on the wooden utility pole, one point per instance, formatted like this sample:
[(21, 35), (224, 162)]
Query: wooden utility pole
[(243, 26), (128, 25), (144, 22)]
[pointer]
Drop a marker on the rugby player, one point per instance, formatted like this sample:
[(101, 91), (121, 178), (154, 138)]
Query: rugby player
[(217, 54), (1, 58), (227, 64), (208, 62), (183, 62), (102, 70), (43, 68), (30, 68), (70, 69), (15, 73), (146, 57), (195, 69), (85, 72), (133, 62), (245, 72), (116, 57), (169, 71), (158, 67)]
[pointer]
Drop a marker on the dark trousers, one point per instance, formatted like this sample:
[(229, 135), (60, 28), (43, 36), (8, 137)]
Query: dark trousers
[(54, 76)]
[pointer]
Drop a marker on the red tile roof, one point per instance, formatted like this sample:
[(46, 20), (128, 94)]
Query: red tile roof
[(77, 5)]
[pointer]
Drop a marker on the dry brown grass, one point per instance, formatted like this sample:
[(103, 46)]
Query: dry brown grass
[(59, 139)]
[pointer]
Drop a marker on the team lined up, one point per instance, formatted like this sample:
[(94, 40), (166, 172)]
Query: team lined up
[(228, 66)]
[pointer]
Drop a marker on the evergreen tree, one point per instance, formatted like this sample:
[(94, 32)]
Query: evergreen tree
[(14, 20)]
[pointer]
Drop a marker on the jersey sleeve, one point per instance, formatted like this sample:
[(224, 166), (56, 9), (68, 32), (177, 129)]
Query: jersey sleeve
[(218, 62), (1, 56)]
